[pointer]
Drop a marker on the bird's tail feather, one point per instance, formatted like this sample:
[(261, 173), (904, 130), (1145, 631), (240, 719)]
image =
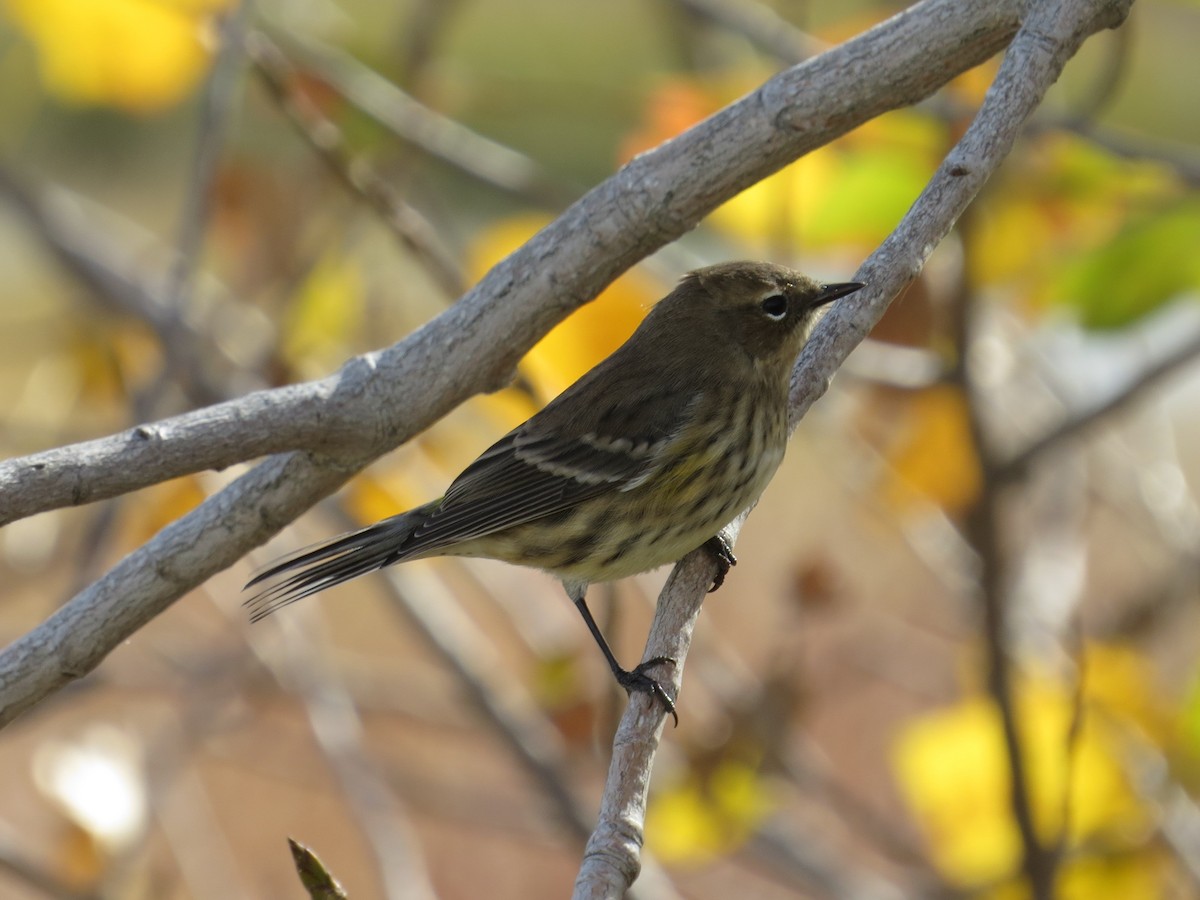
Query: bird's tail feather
[(320, 566)]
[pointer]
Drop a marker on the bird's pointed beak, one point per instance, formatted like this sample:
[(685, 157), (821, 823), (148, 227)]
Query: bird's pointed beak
[(831, 292)]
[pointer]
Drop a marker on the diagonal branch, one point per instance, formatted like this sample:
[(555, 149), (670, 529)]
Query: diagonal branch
[(429, 131), (1049, 37)]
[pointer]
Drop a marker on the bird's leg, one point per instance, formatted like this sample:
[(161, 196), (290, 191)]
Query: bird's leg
[(723, 554), (634, 679)]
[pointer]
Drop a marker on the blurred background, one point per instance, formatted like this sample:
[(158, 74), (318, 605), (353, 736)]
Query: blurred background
[(998, 496)]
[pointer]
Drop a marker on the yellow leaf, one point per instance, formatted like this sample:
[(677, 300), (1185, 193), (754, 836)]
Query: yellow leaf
[(779, 210), (586, 336), (954, 770), (849, 193), (1121, 684), (140, 56), (324, 316), (1013, 234), (1058, 196), (673, 106), (1118, 876), (681, 827), (699, 819), (934, 457), (853, 192)]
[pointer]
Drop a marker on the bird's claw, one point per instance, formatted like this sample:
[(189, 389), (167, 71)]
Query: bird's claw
[(636, 679), (723, 554)]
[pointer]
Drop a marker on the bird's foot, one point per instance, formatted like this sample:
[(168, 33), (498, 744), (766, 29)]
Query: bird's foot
[(723, 554), (636, 679)]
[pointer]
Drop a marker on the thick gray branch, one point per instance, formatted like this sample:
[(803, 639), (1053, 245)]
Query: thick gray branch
[(1052, 33)]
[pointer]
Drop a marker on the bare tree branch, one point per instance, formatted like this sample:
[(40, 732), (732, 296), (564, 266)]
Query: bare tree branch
[(1050, 35), (611, 860), (431, 132)]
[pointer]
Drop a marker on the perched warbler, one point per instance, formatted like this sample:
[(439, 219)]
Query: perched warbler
[(642, 460)]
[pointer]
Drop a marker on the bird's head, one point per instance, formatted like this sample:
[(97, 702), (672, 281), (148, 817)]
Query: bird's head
[(764, 310)]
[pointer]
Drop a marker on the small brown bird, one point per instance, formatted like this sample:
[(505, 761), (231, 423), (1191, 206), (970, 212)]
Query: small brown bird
[(642, 460)]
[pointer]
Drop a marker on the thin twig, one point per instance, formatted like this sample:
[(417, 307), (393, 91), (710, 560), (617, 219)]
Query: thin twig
[(759, 24), (1061, 844), (1017, 466), (1181, 159), (983, 529), (412, 229), (431, 132), (806, 861), (427, 21), (212, 130), (193, 832)]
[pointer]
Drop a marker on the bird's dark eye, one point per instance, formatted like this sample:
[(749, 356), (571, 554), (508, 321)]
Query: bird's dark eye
[(775, 307)]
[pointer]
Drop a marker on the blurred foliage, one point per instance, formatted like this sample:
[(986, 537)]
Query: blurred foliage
[(845, 197), (931, 456), (708, 814), (1144, 266), (953, 766), (326, 314), (575, 345), (139, 56), (1079, 239)]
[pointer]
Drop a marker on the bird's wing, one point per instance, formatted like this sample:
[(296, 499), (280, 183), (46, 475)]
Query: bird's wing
[(548, 465)]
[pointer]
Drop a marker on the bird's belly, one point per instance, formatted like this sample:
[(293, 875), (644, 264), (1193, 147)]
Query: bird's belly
[(621, 535)]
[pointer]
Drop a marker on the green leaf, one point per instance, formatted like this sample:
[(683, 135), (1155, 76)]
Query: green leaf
[(317, 880), (874, 191), (1149, 263)]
